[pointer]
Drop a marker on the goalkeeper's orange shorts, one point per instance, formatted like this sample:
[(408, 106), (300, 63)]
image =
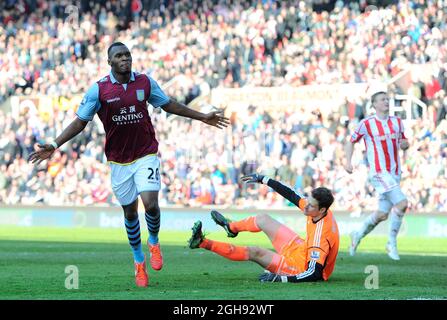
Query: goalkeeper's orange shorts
[(290, 258)]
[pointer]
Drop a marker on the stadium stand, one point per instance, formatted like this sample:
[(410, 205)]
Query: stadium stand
[(194, 47)]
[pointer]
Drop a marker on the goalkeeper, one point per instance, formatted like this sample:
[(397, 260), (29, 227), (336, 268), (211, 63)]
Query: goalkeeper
[(295, 259)]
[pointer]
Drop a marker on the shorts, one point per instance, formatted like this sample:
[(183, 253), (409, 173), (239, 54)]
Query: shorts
[(384, 182), (129, 180), (388, 188), (389, 199), (291, 256)]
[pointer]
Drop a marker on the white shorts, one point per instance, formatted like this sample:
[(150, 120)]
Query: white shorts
[(388, 188), (384, 182), (389, 199), (129, 180)]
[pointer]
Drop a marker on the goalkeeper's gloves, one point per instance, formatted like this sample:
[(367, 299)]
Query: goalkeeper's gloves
[(255, 178), (271, 277)]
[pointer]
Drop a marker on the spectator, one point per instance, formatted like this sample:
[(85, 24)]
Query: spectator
[(233, 45)]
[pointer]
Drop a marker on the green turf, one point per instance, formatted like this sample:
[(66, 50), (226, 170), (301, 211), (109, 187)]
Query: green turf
[(33, 262)]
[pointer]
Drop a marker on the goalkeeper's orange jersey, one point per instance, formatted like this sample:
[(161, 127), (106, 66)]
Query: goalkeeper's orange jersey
[(322, 241)]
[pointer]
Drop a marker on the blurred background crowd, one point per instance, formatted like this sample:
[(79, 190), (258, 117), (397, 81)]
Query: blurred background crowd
[(191, 47)]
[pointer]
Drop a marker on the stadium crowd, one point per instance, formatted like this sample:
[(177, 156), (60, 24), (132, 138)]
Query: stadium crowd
[(197, 46)]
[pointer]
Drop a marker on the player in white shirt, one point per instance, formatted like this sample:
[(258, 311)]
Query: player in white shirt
[(383, 136)]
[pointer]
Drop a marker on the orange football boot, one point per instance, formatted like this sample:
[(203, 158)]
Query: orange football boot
[(141, 277), (156, 256)]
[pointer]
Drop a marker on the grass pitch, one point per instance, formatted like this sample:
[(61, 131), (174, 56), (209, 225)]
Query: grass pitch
[(33, 261)]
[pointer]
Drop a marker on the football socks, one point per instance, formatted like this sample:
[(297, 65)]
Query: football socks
[(133, 234), (229, 251), (153, 225), (248, 224)]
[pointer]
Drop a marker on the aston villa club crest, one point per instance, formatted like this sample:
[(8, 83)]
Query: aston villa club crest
[(140, 95)]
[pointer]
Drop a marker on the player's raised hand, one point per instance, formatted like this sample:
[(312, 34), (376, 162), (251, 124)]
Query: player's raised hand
[(45, 151), (252, 178), (270, 277), (216, 119)]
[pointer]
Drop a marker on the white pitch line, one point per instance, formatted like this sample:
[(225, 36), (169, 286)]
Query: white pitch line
[(408, 253)]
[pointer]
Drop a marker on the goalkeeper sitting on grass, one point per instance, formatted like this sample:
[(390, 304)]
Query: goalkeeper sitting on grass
[(295, 259)]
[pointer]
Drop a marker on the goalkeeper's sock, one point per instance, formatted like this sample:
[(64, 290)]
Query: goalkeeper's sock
[(248, 224), (153, 225), (396, 218), (133, 234), (226, 250)]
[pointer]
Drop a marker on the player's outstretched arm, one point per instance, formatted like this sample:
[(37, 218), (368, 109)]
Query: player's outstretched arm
[(283, 190), (313, 273), (46, 150), (214, 118)]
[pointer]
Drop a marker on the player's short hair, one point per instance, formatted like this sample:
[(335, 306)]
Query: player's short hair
[(323, 196), (115, 44), (374, 96)]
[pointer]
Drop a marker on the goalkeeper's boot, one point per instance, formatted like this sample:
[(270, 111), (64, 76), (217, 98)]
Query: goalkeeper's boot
[(355, 240), (141, 277), (197, 236), (392, 251), (156, 259), (223, 222)]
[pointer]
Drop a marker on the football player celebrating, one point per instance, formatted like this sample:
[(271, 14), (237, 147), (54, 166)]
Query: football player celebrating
[(120, 100)]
